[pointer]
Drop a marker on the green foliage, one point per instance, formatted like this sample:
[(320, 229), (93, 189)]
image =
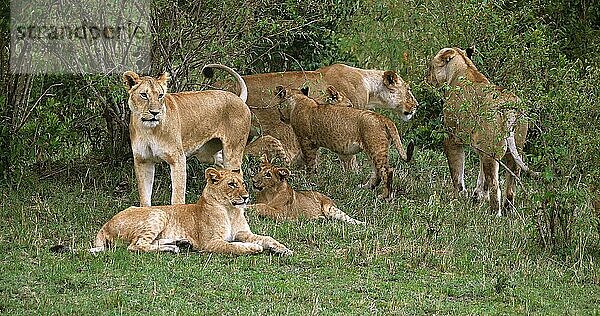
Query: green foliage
[(544, 51)]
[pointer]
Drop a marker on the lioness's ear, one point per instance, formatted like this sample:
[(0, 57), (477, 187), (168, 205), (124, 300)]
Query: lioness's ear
[(280, 92), (284, 173), (390, 79), (470, 51), (212, 175), (304, 90), (446, 55), (130, 79), (164, 78)]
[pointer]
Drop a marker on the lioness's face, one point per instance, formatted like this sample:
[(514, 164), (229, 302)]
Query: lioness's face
[(397, 95), (226, 187), (269, 177), (147, 97)]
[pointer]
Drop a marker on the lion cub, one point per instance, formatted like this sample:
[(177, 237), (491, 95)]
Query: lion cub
[(216, 223), (344, 130), (276, 199)]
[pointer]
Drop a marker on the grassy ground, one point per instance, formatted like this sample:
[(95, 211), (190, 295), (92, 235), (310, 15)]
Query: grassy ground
[(425, 252)]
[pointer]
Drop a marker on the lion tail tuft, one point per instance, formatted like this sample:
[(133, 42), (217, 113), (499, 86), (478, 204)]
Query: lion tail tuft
[(208, 72), (61, 249)]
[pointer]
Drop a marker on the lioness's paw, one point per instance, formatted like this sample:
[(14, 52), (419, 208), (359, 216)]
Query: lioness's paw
[(282, 251), (184, 245), (254, 248), (169, 248)]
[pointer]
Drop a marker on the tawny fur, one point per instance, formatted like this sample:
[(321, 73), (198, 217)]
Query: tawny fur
[(170, 126), (345, 131), (276, 199), (215, 224), (479, 114), (365, 89)]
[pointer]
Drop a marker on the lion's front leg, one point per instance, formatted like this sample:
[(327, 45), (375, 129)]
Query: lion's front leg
[(479, 194), (178, 179), (144, 174), (265, 241), (218, 245), (349, 162)]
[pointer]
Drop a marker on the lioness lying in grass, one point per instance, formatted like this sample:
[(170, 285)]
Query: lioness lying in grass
[(216, 223), (276, 199)]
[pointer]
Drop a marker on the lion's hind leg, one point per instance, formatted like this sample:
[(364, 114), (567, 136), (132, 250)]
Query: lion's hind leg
[(511, 183), (144, 238)]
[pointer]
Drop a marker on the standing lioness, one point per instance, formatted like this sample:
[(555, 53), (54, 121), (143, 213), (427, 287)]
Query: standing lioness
[(170, 126), (484, 116), (215, 224)]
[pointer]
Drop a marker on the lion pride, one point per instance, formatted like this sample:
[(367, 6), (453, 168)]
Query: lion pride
[(365, 89)]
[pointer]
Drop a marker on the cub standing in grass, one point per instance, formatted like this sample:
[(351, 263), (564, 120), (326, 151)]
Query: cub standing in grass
[(215, 224), (276, 199), (344, 130), (170, 126)]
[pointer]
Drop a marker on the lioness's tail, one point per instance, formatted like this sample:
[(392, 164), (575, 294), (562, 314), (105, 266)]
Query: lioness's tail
[(393, 133), (99, 244), (243, 88), (512, 149), (337, 214)]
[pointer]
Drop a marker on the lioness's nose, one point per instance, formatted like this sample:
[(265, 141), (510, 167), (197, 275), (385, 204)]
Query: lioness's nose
[(155, 113), (407, 113)]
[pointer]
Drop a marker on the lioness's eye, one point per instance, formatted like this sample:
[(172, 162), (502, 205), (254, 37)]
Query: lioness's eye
[(161, 96), (144, 95), (232, 185), (268, 175)]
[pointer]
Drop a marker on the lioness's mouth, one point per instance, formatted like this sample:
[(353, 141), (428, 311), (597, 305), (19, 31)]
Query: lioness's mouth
[(150, 120)]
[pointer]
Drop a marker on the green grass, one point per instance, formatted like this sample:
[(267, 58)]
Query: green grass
[(425, 252)]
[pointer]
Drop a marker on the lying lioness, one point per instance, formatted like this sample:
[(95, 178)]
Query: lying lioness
[(215, 224), (276, 199), (344, 130)]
